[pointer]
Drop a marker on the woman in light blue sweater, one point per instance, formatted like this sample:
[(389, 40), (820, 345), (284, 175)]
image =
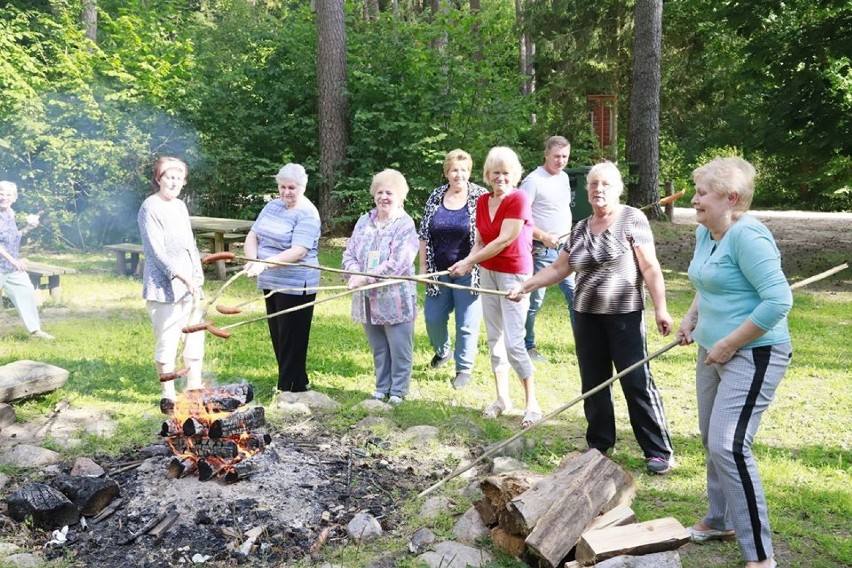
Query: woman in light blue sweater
[(739, 320), (172, 276)]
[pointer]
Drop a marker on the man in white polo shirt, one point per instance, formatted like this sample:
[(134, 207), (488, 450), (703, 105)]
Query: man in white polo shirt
[(549, 192)]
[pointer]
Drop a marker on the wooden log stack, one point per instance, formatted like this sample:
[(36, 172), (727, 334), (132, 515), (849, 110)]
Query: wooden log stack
[(580, 514)]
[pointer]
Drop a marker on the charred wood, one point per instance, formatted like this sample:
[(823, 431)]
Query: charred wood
[(219, 448), (209, 468), (181, 467), (171, 427), (48, 507), (146, 527), (109, 510), (90, 494), (241, 470), (238, 423), (194, 427)]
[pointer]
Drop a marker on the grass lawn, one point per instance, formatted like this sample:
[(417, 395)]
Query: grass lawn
[(803, 448)]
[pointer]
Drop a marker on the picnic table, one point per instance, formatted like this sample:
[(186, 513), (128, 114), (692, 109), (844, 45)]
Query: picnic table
[(219, 227)]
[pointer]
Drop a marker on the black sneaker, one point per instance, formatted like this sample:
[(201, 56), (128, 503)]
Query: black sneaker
[(462, 380), (438, 361)]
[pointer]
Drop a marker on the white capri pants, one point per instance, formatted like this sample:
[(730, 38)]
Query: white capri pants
[(505, 323), (167, 320)]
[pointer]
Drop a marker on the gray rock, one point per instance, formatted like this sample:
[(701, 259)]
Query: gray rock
[(373, 423), (420, 436), (465, 427), (421, 540), (469, 473), (372, 405), (667, 559), (505, 465), (434, 507), (25, 455), (315, 401), (86, 467), (7, 415), (23, 378), (472, 492), (25, 560), (514, 449), (363, 527), (451, 554), (470, 527), (7, 548), (293, 408)]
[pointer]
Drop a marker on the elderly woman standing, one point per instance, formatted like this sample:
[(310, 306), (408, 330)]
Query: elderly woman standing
[(14, 280), (447, 234), (172, 279), (613, 254), (384, 241), (739, 320), (287, 230), (503, 249)]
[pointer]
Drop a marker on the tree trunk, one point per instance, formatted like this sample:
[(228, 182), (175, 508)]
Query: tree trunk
[(527, 50), (475, 7), (90, 19), (333, 106), (643, 144)]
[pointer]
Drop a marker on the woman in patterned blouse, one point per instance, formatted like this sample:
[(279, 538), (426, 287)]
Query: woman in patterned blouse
[(612, 252), (287, 230), (384, 242), (447, 234), (172, 276)]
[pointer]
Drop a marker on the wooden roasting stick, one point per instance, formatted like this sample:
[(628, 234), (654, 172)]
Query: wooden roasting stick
[(820, 276), (547, 417), (665, 200), (238, 309)]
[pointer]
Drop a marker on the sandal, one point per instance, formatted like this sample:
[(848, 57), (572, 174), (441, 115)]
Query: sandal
[(496, 409), (530, 418)]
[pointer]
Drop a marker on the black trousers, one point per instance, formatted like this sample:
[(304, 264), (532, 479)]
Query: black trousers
[(290, 334), (601, 342)]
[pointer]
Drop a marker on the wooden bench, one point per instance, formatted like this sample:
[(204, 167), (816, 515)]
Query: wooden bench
[(38, 271), (228, 238), (126, 258)]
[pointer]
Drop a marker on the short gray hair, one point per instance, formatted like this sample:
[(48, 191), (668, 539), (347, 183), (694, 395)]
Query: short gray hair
[(728, 176), (9, 186), (293, 172)]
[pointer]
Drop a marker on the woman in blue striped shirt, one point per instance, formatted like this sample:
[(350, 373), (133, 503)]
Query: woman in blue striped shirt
[(287, 230)]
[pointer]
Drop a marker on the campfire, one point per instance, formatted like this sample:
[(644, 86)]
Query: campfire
[(214, 435)]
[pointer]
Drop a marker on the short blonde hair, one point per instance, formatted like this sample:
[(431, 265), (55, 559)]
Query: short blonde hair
[(606, 169), (392, 179), (503, 158), (727, 177), (10, 186), (457, 156)]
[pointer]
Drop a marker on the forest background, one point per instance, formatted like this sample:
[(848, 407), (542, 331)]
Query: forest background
[(92, 91)]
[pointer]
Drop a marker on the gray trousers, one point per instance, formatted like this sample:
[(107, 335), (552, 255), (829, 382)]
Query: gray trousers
[(393, 355), (731, 401)]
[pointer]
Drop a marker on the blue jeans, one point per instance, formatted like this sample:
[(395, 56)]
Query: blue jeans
[(543, 257), (468, 308)]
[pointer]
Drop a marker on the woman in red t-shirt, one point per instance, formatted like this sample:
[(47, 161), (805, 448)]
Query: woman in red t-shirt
[(503, 251)]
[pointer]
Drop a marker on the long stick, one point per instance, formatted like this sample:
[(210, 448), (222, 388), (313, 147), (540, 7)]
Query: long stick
[(820, 276), (238, 308), (665, 200), (547, 417), (321, 300), (381, 276)]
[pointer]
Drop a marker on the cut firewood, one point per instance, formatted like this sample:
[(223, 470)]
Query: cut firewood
[(181, 467), (668, 559), (500, 489), (486, 511), (657, 535), (238, 423), (526, 509), (48, 507), (241, 470), (511, 544), (90, 494), (194, 427), (594, 487), (219, 448), (107, 511), (209, 468), (620, 516)]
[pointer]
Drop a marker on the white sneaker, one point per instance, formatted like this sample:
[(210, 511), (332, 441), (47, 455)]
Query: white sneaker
[(394, 400), (39, 334)]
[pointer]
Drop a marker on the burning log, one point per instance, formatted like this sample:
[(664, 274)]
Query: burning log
[(238, 423), (256, 442), (171, 427), (225, 449), (181, 467), (193, 426), (241, 470), (209, 468)]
